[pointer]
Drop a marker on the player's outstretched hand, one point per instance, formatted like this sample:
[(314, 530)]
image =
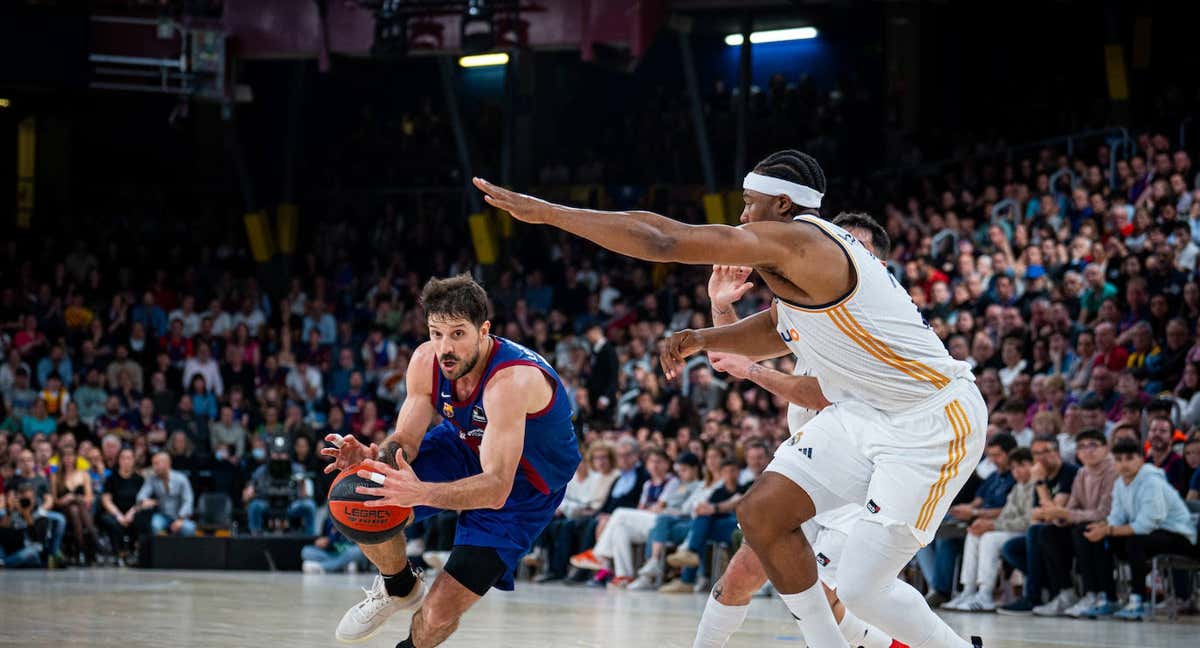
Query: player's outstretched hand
[(727, 284), (347, 451), (678, 347), (522, 207), (397, 486), (733, 364)]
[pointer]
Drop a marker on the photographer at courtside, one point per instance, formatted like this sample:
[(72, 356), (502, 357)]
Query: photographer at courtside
[(24, 528), (280, 489)]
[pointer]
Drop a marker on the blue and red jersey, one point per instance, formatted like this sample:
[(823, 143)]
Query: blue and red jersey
[(551, 452)]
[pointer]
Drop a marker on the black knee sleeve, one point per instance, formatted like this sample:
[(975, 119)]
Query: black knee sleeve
[(476, 568)]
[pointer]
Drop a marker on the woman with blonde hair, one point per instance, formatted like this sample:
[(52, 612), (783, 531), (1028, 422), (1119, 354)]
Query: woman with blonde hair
[(1050, 423), (585, 495)]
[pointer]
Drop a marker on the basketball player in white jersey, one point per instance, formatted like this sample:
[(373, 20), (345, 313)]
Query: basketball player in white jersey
[(729, 601), (903, 445)]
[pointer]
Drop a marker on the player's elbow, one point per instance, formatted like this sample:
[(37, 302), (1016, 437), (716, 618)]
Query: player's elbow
[(498, 494)]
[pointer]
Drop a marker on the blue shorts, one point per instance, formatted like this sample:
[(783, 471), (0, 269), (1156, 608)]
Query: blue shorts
[(511, 530)]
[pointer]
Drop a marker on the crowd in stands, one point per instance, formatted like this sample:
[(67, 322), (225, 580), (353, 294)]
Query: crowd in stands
[(135, 384)]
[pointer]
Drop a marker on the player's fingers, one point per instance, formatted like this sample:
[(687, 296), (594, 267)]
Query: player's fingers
[(377, 466), (367, 490), (330, 468), (485, 186), (374, 475)]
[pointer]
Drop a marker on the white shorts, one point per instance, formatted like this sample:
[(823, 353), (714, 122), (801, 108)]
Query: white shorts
[(904, 467), (827, 544)]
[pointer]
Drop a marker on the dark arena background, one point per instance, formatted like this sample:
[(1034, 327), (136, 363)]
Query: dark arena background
[(217, 217)]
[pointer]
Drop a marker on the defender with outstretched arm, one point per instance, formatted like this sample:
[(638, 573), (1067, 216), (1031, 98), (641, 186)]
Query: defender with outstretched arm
[(905, 443)]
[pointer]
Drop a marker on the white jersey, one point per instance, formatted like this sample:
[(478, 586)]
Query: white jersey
[(872, 343)]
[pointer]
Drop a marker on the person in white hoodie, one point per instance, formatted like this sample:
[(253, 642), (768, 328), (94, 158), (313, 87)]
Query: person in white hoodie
[(585, 495), (1148, 518)]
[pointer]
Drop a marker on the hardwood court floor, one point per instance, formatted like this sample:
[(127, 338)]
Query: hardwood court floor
[(173, 609)]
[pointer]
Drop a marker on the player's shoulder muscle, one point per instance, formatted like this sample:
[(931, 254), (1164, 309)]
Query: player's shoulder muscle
[(521, 383), (420, 369), (786, 240)]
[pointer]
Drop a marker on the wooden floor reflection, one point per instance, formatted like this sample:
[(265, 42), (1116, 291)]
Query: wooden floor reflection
[(172, 609)]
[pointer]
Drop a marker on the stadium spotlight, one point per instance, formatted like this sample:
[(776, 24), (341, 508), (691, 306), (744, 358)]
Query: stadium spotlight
[(774, 36), (483, 60), (4, 103)]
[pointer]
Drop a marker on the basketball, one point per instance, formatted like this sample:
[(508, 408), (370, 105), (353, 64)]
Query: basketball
[(360, 523)]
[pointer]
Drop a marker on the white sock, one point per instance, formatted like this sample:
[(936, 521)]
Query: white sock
[(718, 623), (861, 634), (811, 610)]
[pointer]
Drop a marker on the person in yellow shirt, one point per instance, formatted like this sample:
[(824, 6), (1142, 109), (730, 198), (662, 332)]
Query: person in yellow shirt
[(54, 396)]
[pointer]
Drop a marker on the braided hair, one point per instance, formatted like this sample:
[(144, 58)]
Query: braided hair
[(793, 166)]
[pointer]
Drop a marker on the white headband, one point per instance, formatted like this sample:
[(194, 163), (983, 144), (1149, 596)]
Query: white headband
[(800, 194)]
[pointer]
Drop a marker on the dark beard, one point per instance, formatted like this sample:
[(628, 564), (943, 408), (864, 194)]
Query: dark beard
[(465, 367)]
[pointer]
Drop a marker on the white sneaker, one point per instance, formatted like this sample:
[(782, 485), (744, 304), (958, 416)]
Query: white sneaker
[(435, 559), (1089, 601), (981, 602), (311, 567), (1058, 606), (643, 583), (362, 621), (651, 568), (958, 603)]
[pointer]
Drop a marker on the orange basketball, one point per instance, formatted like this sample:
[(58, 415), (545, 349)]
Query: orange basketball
[(363, 524)]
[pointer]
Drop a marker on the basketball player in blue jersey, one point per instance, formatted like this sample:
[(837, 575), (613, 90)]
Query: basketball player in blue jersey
[(901, 447), (502, 456)]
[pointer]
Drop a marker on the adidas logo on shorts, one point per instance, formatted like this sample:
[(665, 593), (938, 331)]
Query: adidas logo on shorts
[(807, 452)]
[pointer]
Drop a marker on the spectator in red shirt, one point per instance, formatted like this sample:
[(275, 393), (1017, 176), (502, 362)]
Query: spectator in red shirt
[(29, 341), (1108, 353)]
